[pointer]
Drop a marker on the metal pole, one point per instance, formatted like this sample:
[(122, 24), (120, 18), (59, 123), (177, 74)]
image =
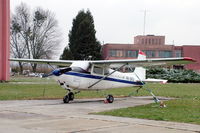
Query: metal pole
[(144, 22), (4, 39)]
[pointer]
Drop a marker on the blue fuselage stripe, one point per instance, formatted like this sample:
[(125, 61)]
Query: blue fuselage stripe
[(99, 77)]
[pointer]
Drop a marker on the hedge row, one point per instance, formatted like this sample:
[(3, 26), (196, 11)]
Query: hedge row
[(174, 75)]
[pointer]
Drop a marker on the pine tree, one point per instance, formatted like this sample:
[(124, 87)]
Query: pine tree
[(82, 39), (67, 55)]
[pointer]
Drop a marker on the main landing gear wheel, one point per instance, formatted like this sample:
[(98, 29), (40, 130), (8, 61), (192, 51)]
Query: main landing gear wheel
[(68, 97), (110, 98), (71, 96)]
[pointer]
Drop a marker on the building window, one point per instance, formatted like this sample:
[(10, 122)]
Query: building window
[(156, 41), (150, 53), (131, 53), (178, 53), (159, 41), (112, 53), (145, 41), (152, 41), (119, 53), (142, 41), (115, 53), (165, 54)]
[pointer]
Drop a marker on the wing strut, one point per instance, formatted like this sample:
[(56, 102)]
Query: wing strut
[(106, 76), (149, 90)]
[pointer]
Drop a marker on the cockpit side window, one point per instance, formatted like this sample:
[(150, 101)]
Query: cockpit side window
[(106, 71), (98, 70)]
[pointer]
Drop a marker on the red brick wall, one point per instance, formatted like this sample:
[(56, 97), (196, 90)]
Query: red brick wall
[(187, 51), (153, 43), (149, 40), (125, 47), (193, 52)]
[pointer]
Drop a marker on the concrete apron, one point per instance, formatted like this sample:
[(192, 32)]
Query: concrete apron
[(52, 116)]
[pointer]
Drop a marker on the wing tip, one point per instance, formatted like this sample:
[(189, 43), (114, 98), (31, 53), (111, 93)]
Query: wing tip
[(189, 59)]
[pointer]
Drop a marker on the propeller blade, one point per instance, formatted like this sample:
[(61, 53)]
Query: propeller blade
[(46, 75), (57, 72)]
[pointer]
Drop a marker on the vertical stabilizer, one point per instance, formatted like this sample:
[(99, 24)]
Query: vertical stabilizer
[(141, 55), (140, 71)]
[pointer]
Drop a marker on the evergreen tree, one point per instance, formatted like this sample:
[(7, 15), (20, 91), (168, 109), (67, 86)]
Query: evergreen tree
[(67, 55), (82, 39)]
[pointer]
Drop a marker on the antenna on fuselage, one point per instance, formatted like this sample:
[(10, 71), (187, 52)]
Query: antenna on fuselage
[(90, 57)]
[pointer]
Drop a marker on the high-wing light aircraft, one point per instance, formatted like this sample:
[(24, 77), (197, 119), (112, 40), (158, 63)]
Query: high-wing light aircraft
[(98, 75)]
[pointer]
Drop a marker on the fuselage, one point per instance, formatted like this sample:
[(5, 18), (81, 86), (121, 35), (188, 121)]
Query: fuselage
[(83, 76)]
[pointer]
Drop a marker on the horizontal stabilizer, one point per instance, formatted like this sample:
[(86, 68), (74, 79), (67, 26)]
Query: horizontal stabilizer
[(150, 80)]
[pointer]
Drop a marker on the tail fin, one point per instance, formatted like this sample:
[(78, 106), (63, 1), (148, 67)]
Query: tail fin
[(140, 71), (141, 55)]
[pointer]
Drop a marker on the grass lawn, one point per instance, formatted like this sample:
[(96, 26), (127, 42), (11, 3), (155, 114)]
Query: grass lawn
[(181, 110), (41, 88), (184, 109)]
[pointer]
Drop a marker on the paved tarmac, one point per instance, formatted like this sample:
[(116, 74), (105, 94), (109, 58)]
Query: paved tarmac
[(52, 116)]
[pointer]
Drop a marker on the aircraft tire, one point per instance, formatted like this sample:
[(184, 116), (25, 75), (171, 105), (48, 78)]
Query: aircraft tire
[(71, 96), (110, 98), (66, 99)]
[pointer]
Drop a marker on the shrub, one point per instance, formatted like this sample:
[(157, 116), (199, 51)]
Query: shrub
[(174, 75)]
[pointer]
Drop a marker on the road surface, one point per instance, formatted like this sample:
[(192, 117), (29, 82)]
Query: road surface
[(52, 116)]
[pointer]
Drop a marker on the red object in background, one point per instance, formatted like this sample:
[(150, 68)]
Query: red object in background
[(4, 39), (193, 52), (142, 53)]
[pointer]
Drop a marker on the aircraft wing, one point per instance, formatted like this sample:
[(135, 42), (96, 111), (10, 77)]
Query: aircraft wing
[(145, 62), (43, 61), (114, 63)]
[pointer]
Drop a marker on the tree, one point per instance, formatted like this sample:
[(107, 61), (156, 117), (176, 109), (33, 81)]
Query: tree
[(38, 33), (19, 37), (82, 39), (44, 38), (67, 55)]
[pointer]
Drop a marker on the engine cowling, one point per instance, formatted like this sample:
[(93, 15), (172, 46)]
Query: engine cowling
[(61, 71)]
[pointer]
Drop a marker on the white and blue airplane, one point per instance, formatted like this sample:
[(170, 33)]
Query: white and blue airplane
[(99, 75)]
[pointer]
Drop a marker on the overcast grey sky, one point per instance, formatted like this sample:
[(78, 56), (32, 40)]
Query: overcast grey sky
[(118, 21)]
